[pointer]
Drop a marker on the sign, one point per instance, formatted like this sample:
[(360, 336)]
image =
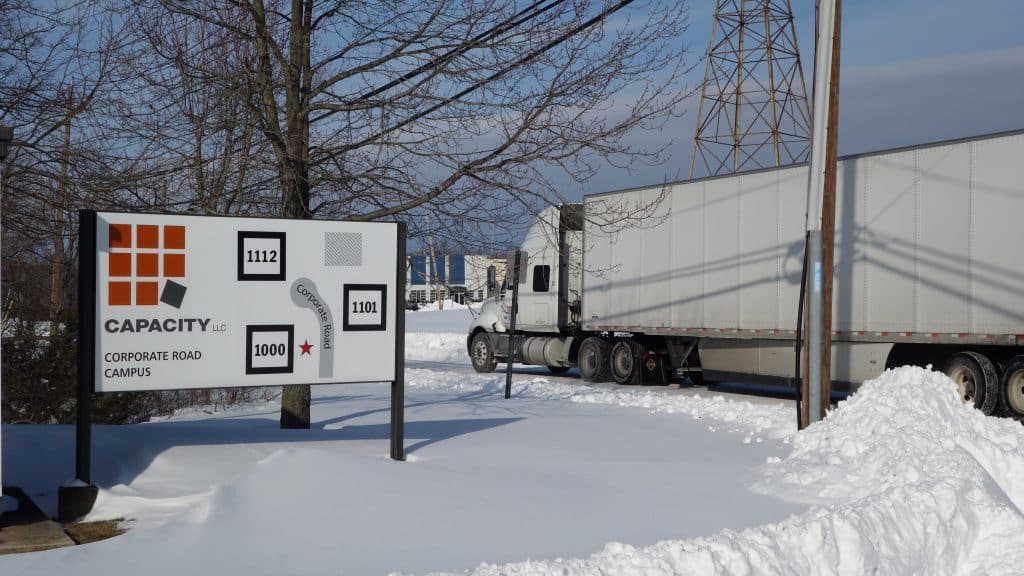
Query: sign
[(203, 302), (175, 302)]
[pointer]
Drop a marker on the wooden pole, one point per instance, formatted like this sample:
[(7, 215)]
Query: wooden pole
[(817, 346), (828, 217)]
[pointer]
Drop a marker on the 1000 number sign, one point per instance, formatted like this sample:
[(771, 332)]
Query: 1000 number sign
[(269, 350)]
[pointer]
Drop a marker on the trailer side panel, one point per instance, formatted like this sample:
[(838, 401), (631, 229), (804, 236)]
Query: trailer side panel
[(927, 246)]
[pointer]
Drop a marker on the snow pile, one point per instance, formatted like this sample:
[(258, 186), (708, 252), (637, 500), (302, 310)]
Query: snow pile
[(908, 479), (13, 327), (925, 473), (442, 347)]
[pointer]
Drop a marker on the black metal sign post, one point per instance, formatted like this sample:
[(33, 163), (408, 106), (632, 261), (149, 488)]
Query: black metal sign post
[(75, 499), (398, 385), (512, 324)]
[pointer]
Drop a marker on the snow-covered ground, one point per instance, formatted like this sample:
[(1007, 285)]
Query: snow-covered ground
[(564, 478)]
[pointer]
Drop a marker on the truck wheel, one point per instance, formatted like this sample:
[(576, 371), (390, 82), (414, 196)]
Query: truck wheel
[(593, 360), (1012, 389), (976, 379), (481, 353), (625, 363), (558, 369)]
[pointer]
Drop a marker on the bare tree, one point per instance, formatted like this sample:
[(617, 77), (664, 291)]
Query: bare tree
[(103, 121), (188, 108), (55, 59), (377, 109)]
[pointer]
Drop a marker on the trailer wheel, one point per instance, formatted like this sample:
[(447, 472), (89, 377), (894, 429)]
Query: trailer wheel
[(593, 360), (1012, 389), (556, 370), (625, 362), (976, 379), (481, 353)]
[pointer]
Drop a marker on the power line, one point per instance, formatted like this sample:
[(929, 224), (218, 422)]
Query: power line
[(480, 83), (516, 20)]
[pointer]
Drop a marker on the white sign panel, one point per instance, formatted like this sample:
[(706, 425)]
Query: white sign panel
[(203, 302)]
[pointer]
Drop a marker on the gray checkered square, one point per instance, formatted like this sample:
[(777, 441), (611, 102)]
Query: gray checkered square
[(343, 249)]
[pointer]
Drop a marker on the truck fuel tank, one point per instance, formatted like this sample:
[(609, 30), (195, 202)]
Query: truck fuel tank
[(543, 351)]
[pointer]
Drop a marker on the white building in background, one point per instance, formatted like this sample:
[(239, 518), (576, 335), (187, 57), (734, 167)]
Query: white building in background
[(457, 277)]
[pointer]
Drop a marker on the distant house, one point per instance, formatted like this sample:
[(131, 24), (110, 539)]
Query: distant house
[(459, 277)]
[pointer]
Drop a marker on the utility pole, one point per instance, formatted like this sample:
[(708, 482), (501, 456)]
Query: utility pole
[(820, 227), (828, 213)]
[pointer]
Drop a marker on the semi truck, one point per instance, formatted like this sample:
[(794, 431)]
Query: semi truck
[(929, 270)]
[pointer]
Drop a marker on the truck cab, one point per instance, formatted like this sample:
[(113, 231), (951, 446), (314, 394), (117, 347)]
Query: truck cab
[(548, 296)]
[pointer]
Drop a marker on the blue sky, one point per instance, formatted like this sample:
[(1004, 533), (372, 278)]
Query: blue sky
[(885, 31), (913, 71)]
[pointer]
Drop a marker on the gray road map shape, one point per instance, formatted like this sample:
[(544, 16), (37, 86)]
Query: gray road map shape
[(326, 355)]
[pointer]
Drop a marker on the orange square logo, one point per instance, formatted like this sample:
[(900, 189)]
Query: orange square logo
[(120, 264), (119, 294), (174, 237), (149, 236), (147, 264), (174, 265), (155, 252), (145, 293), (120, 235)]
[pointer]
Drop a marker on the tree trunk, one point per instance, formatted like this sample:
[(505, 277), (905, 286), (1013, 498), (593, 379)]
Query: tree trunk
[(294, 171), (433, 268), (295, 398), (57, 264), (295, 401)]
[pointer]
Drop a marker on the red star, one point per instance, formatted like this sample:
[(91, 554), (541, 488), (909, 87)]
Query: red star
[(306, 347)]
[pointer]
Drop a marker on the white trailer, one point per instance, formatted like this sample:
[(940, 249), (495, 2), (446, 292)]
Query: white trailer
[(926, 272)]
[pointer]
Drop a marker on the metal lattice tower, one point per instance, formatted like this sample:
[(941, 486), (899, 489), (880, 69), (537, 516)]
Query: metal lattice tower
[(753, 105)]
